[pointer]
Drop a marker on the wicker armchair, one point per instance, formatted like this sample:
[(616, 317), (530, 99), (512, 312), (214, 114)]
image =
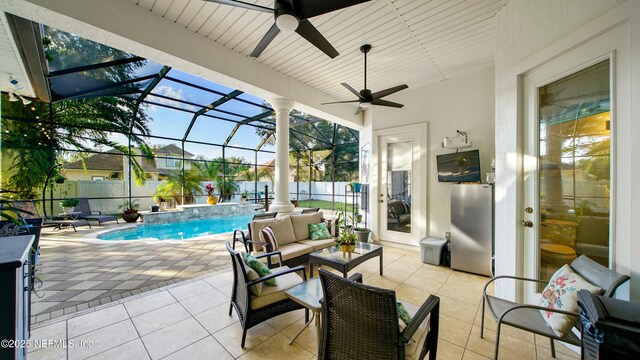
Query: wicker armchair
[(252, 309), (527, 317), (361, 322)]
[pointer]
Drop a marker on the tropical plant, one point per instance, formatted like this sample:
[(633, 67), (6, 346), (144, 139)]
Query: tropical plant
[(67, 203), (171, 189), (224, 173), (130, 205), (347, 237), (32, 145), (8, 212)]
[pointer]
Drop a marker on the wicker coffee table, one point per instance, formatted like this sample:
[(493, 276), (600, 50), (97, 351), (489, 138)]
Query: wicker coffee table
[(344, 262)]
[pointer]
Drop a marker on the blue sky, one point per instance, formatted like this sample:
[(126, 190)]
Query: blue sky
[(174, 123)]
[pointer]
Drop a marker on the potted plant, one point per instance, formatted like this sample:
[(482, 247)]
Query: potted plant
[(211, 198), (356, 186), (362, 234), (244, 196), (130, 211), (346, 241), (68, 205)]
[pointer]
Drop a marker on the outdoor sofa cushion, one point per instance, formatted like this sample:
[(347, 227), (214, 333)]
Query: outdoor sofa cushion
[(281, 226), (273, 294), (414, 346), (318, 244), (288, 251), (301, 224)]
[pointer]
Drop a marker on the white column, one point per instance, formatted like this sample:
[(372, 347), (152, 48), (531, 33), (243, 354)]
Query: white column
[(282, 204)]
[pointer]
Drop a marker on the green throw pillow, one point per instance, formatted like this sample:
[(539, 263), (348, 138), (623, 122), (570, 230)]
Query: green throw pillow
[(403, 314), (260, 267), (319, 231)]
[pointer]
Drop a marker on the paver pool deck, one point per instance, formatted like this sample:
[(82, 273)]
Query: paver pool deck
[(78, 272)]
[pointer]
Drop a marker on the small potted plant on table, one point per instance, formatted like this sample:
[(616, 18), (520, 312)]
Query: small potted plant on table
[(346, 241), (244, 196), (68, 205), (130, 211)]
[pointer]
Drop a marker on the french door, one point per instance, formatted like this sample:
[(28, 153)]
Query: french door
[(399, 157), (567, 164)]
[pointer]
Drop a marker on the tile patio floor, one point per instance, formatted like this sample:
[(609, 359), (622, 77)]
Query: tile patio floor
[(77, 274), (190, 320)]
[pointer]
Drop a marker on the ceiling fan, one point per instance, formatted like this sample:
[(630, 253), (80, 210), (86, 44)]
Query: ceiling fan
[(365, 97), (293, 15)]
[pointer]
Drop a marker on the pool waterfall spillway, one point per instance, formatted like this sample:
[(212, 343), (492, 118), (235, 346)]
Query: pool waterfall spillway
[(199, 211)]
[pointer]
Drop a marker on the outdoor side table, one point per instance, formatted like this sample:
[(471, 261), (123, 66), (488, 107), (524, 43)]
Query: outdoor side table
[(342, 261), (308, 294), (69, 216)]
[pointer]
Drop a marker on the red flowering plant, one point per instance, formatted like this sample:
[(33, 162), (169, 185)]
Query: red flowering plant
[(210, 189)]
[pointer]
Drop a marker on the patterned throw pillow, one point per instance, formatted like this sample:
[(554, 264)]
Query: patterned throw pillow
[(259, 267), (562, 294), (403, 314), (319, 231), (269, 237)]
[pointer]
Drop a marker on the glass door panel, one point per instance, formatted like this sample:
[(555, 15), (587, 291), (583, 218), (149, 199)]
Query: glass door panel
[(398, 183), (574, 168)]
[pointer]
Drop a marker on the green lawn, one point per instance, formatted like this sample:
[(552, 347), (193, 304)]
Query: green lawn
[(323, 204)]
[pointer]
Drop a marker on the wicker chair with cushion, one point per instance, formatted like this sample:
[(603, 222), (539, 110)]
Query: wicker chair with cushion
[(361, 322), (254, 309), (86, 213), (528, 317)]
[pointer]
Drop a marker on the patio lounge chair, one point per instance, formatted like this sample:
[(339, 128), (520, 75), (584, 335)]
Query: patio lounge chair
[(254, 309), (361, 322), (87, 214), (58, 224), (527, 317)]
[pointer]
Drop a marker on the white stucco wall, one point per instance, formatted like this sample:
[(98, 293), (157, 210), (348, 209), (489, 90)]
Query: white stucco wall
[(530, 34), (465, 103)]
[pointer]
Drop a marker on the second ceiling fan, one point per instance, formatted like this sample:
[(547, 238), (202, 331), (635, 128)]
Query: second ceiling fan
[(365, 97), (293, 15)]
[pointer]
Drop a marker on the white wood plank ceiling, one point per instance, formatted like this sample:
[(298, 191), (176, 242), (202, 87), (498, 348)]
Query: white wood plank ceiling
[(416, 42), (11, 63)]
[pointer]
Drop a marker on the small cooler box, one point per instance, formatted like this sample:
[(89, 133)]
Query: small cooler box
[(431, 250)]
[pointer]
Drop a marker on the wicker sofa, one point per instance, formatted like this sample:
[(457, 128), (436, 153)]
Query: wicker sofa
[(292, 234)]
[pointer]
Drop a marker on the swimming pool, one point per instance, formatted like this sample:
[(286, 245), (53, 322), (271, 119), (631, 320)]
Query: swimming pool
[(180, 230)]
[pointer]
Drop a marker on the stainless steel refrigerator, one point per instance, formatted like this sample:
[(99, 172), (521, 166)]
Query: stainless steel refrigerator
[(472, 227)]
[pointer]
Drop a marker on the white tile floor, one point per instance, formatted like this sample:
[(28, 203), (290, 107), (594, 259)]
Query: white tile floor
[(191, 321)]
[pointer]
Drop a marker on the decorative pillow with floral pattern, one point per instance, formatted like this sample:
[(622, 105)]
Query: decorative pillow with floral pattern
[(259, 267), (319, 231), (403, 314), (562, 294)]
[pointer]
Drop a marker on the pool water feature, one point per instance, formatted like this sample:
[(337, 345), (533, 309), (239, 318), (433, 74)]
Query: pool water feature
[(180, 230)]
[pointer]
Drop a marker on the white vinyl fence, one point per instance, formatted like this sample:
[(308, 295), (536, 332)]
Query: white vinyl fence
[(118, 191)]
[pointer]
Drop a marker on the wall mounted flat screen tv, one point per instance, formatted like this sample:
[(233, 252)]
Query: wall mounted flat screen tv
[(459, 167)]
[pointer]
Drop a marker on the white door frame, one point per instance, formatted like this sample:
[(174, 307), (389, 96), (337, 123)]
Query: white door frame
[(419, 217), (606, 46)]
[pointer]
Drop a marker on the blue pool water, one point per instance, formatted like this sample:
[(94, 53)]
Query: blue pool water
[(181, 230)]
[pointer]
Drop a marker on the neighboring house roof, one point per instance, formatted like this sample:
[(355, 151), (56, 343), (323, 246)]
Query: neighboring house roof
[(103, 161), (172, 149), (107, 161)]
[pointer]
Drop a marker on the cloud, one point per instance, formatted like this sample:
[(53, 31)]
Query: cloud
[(168, 91)]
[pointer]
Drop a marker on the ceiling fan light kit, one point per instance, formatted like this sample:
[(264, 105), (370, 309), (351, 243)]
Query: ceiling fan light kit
[(287, 23), (293, 15)]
